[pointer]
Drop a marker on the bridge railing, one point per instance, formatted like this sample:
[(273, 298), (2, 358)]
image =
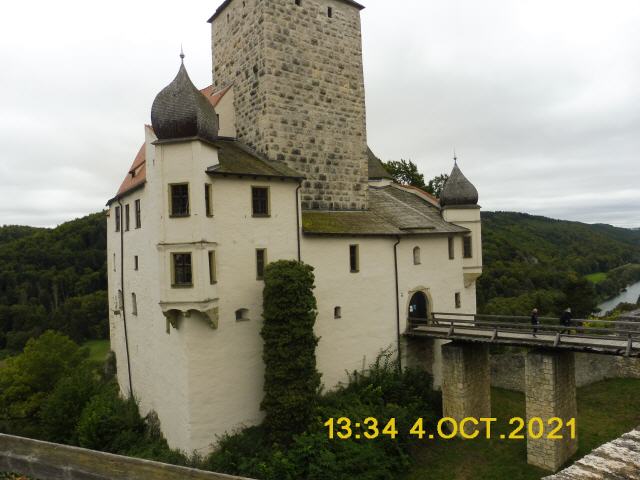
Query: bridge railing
[(619, 330)]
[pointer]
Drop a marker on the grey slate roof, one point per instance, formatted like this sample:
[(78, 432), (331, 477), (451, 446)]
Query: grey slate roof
[(392, 211), (458, 190), (619, 459), (180, 110), (239, 160), (376, 168)]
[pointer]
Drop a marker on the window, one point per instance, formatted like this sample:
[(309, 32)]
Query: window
[(135, 262), (354, 260), (126, 217), (260, 201), (117, 219), (114, 262), (212, 267), (120, 300), (207, 200), (242, 315), (134, 304), (458, 301), (416, 256), (466, 247), (182, 273), (179, 200), (298, 2), (330, 12), (452, 253), (337, 312), (261, 261), (138, 214)]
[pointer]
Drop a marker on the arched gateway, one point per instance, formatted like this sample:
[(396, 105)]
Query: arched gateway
[(418, 307)]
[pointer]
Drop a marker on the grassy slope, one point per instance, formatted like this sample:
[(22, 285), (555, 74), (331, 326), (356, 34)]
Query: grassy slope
[(606, 410), (98, 350), (596, 277)]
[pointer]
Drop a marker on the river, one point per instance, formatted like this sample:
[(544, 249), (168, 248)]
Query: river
[(630, 296)]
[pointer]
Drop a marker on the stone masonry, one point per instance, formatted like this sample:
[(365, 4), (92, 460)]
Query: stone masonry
[(466, 381), (298, 86), (550, 392)]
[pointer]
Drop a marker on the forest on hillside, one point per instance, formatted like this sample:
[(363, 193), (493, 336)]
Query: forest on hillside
[(56, 278), (532, 261), (53, 279)]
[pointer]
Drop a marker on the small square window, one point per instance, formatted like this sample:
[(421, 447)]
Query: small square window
[(261, 261), (467, 247), (260, 201), (242, 315), (179, 200), (354, 258), (458, 300), (182, 271), (452, 252)]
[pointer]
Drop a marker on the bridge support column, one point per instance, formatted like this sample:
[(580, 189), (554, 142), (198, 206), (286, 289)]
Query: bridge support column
[(466, 381), (550, 383)]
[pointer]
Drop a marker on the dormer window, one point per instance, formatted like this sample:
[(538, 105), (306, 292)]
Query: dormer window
[(179, 200)]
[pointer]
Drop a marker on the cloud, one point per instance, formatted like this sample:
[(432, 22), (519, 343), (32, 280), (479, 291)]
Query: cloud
[(540, 99)]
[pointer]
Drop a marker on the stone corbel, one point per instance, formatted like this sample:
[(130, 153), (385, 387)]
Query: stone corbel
[(174, 312)]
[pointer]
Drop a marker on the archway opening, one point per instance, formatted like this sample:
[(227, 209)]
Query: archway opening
[(418, 308)]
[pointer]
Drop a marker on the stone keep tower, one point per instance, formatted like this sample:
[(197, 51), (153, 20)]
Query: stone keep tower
[(296, 71)]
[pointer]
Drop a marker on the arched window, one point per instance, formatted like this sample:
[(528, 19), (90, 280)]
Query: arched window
[(242, 315), (337, 312), (416, 256)]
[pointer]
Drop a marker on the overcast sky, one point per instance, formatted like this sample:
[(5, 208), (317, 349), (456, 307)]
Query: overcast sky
[(540, 98)]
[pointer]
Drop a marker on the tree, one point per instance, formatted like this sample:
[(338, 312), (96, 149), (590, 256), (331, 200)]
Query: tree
[(405, 173), (436, 185), (292, 380)]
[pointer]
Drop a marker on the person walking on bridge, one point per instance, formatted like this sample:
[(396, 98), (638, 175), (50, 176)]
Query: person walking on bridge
[(535, 321), (565, 320)]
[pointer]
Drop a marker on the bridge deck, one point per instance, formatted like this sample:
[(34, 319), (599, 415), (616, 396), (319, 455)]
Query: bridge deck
[(612, 338)]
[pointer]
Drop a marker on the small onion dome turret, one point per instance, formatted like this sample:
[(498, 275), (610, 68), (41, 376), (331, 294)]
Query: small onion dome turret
[(181, 111), (458, 190)]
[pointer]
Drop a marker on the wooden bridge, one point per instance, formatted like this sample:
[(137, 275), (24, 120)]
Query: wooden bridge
[(592, 336)]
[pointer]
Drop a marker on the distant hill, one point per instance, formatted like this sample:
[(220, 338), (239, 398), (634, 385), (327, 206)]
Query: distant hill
[(53, 278), (532, 261), (56, 278)]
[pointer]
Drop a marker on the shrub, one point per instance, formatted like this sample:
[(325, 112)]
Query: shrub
[(291, 378), (110, 423)]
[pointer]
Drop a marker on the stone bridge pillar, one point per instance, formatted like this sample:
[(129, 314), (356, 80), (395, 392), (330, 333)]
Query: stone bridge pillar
[(466, 381), (550, 390)]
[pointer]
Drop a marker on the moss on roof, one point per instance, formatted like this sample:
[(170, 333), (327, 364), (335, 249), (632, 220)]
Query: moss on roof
[(237, 159)]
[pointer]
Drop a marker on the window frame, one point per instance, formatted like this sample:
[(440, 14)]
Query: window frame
[(171, 205), (354, 258), (208, 204), (467, 246), (213, 271), (138, 213), (268, 201), (127, 217), (118, 218), (174, 283), (259, 269)]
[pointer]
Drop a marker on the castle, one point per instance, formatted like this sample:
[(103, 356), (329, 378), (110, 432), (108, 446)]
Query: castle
[(271, 162)]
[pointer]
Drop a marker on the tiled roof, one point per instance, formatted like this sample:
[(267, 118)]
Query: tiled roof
[(214, 96), (392, 211)]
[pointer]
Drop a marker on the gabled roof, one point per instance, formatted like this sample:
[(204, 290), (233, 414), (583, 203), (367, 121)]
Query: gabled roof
[(376, 168), (393, 210)]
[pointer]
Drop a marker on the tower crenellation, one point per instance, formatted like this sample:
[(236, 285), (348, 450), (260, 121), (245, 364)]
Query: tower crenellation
[(296, 68)]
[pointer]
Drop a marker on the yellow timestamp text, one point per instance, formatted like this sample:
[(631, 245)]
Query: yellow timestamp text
[(448, 428)]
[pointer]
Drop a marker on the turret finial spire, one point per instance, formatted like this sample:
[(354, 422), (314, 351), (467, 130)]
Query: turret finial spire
[(181, 54), (455, 157)]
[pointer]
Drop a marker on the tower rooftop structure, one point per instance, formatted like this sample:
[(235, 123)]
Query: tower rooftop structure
[(180, 110), (458, 190)]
